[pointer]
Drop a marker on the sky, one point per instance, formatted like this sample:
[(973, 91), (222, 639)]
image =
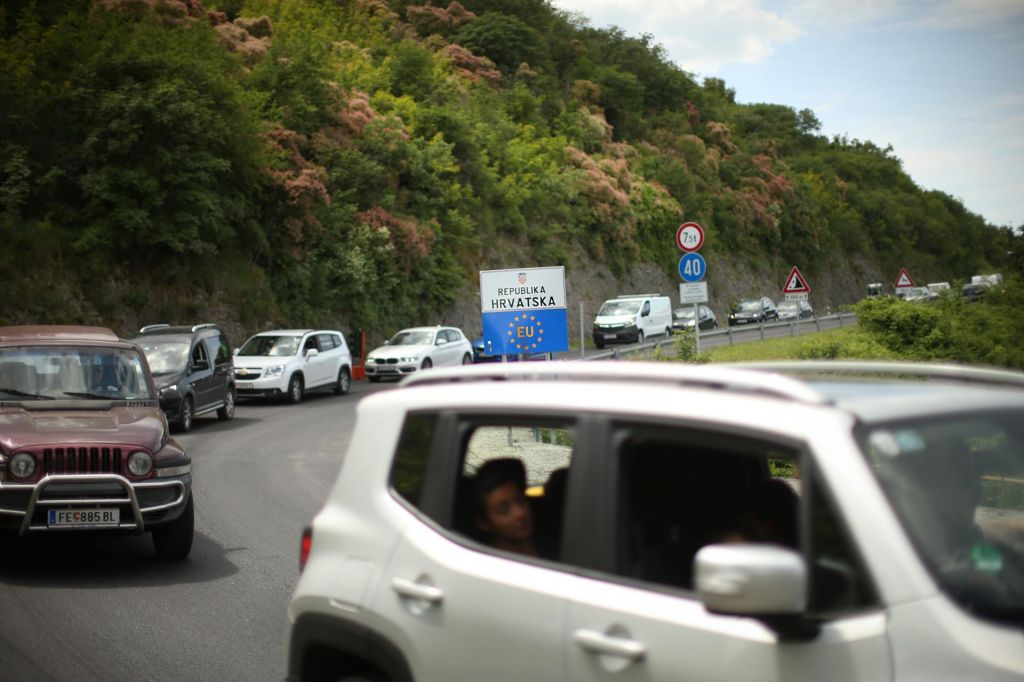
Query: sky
[(942, 81)]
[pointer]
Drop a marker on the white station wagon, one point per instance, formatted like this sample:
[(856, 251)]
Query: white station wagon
[(289, 362), (615, 521)]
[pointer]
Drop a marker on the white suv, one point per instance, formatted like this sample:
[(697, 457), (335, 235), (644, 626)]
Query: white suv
[(289, 362), (617, 521)]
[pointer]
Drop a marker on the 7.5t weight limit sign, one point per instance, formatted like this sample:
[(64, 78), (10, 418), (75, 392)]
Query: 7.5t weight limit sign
[(690, 237)]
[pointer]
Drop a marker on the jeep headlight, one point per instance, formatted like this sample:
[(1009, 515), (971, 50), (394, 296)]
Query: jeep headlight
[(275, 371), (140, 463), (22, 465)]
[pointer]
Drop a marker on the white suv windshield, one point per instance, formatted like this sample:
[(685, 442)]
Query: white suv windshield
[(70, 373), (957, 485), (407, 338), (275, 346), (619, 308)]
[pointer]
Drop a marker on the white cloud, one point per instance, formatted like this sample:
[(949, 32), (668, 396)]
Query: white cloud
[(699, 35)]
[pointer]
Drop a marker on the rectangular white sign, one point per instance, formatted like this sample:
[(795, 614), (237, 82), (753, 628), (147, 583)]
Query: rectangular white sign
[(796, 297), (693, 292), (522, 289)]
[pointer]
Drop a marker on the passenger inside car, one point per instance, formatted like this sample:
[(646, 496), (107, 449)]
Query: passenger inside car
[(499, 507)]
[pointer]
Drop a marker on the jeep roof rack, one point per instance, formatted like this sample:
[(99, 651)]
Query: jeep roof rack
[(705, 376), (151, 327), (204, 325)]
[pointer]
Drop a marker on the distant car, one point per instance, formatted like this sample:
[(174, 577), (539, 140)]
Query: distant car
[(682, 318), (920, 295), (973, 291), (193, 370), (795, 310), (479, 354), (290, 362), (631, 318), (418, 348), (753, 311)]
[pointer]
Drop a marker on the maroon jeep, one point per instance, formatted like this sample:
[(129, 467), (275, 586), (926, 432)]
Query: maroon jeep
[(84, 445)]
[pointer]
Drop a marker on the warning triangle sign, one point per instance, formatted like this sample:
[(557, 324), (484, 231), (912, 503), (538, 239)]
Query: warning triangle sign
[(795, 283), (904, 279)]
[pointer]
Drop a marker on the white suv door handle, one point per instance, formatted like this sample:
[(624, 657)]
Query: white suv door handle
[(600, 643), (414, 590)]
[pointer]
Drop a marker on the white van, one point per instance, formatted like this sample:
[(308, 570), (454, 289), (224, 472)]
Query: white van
[(632, 318)]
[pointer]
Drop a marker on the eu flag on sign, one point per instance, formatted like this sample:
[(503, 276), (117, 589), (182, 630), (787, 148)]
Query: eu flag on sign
[(526, 331)]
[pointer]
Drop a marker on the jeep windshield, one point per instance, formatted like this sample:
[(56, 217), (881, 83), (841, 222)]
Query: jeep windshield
[(405, 338), (72, 373), (272, 346), (165, 357), (619, 308), (957, 486)]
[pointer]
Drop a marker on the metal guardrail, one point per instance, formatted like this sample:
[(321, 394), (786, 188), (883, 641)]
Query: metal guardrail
[(738, 334)]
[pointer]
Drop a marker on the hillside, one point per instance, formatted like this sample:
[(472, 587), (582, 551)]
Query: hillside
[(355, 164)]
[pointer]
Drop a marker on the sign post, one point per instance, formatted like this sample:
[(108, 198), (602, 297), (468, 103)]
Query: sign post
[(523, 310), (692, 268)]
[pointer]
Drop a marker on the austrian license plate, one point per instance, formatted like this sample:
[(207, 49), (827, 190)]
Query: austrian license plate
[(742, 321), (84, 518), (243, 384), (610, 336)]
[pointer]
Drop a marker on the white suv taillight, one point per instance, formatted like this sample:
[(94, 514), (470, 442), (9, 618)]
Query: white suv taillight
[(305, 546)]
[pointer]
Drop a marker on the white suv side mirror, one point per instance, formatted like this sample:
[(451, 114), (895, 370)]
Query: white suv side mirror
[(751, 579), (312, 353)]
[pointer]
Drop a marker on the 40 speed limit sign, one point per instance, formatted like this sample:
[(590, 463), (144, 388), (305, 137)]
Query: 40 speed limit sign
[(692, 267)]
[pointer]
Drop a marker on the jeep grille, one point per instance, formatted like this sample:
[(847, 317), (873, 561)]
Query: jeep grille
[(82, 460)]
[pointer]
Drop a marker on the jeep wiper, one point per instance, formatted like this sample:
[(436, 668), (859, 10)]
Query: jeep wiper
[(94, 396), (25, 394)]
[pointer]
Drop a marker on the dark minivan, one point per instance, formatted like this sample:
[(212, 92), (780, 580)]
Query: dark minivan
[(193, 369)]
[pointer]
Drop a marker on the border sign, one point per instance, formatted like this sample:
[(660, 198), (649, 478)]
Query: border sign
[(690, 237), (795, 283), (903, 280), (523, 310)]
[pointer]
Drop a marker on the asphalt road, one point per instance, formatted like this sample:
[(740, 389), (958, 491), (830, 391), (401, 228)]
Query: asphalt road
[(82, 607)]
